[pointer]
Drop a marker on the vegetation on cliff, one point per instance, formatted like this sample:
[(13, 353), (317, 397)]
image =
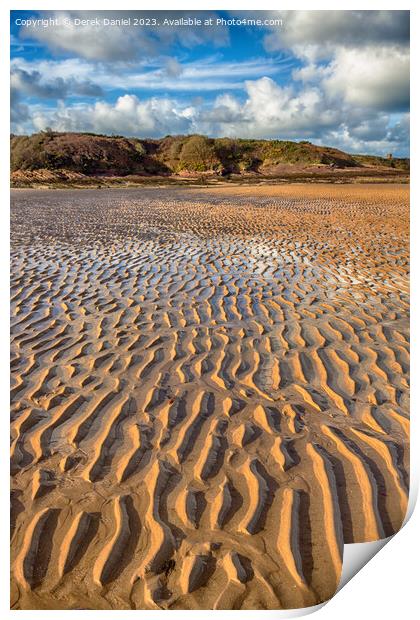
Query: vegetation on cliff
[(99, 155)]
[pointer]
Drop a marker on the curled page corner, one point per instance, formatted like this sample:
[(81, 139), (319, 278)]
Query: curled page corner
[(356, 556), (412, 496), (304, 611), (272, 614)]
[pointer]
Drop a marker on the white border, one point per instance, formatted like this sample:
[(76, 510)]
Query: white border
[(388, 584)]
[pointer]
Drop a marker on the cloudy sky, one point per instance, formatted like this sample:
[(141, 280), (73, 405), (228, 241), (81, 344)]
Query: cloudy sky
[(332, 77)]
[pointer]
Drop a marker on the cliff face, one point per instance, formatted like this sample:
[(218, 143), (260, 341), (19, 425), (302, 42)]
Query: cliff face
[(63, 155)]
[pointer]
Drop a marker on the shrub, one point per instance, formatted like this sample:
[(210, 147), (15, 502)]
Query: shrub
[(198, 154)]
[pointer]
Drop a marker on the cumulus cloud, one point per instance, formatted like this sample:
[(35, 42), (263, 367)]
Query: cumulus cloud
[(317, 34), (372, 77), (226, 110), (268, 111), (359, 59), (128, 115)]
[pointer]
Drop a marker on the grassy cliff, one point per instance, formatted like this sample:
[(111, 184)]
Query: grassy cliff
[(91, 155)]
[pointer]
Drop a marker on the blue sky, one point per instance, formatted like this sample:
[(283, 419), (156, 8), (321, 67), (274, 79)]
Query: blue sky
[(333, 77)]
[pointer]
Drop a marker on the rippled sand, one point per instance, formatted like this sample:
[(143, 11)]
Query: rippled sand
[(209, 392)]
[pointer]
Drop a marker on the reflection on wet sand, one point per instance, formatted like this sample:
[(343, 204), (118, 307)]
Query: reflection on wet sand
[(209, 392)]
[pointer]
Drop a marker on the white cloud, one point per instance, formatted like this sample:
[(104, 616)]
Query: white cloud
[(164, 74), (33, 84), (128, 116), (360, 58), (371, 77), (268, 111), (120, 42), (318, 34), (173, 68)]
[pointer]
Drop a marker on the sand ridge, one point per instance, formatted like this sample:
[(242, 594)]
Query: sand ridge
[(209, 392)]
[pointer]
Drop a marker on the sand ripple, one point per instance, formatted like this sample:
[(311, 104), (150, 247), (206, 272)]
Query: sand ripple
[(209, 392)]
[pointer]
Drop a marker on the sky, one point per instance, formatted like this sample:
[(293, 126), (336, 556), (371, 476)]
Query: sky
[(338, 78)]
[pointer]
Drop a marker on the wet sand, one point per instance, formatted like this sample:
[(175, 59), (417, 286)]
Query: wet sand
[(209, 392)]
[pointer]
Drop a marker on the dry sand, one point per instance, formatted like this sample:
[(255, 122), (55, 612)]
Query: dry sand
[(209, 392)]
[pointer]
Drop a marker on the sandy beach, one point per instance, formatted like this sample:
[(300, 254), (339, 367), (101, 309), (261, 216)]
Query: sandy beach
[(209, 392)]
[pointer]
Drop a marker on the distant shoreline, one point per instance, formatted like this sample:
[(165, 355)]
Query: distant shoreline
[(373, 181), (59, 180)]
